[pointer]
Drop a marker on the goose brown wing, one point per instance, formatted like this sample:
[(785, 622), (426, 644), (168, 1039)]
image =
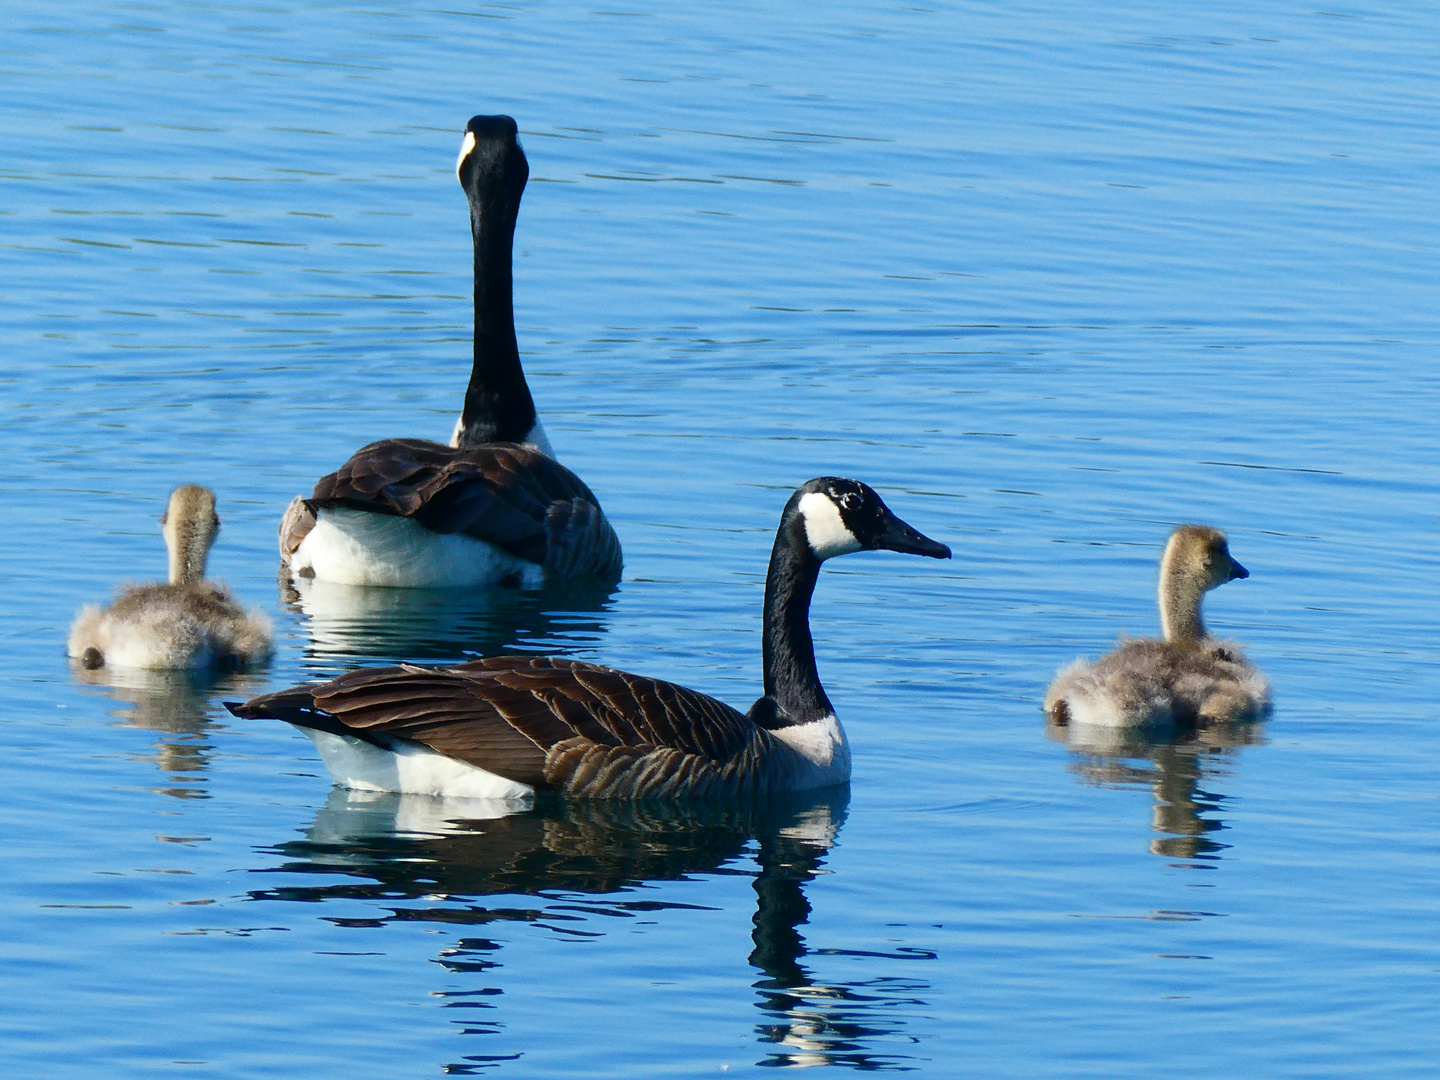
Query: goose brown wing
[(505, 714), (509, 495)]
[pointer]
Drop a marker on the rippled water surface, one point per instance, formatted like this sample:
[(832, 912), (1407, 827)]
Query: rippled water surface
[(1051, 277)]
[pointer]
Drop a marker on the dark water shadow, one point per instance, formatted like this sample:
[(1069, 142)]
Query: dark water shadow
[(426, 860), (177, 705), (361, 623), (1175, 762)]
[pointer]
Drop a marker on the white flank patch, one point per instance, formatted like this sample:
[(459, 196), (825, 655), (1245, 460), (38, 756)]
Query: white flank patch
[(356, 547), (824, 527), (410, 770), (824, 748), (466, 145)]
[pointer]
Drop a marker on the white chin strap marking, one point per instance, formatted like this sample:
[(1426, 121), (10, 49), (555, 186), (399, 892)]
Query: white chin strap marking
[(465, 148), (824, 527)]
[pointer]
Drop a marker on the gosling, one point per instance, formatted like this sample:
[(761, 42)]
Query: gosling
[(1189, 677), (187, 623)]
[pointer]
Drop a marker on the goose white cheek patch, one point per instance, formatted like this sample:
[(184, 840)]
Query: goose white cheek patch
[(465, 148), (824, 527)]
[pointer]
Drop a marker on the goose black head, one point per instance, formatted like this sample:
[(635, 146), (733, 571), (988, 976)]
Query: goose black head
[(840, 516), (491, 165)]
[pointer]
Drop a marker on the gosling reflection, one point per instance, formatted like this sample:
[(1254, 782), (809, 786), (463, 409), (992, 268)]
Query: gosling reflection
[(1175, 763), (440, 855), (355, 620), (176, 704)]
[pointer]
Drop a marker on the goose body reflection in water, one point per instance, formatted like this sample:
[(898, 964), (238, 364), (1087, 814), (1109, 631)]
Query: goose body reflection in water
[(421, 859), (441, 624), (1174, 764), (176, 705)]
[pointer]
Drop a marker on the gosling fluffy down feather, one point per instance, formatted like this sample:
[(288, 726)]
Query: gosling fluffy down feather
[(1147, 681), (196, 625)]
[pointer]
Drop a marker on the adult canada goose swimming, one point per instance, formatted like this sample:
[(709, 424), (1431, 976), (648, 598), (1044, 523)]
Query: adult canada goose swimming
[(187, 622), (508, 726), (1187, 677), (492, 507)]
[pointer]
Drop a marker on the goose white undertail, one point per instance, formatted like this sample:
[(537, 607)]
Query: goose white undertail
[(409, 768), (356, 547)]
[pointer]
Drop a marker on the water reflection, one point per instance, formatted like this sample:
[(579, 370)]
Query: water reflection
[(1174, 763), (176, 704), (357, 620), (427, 860)]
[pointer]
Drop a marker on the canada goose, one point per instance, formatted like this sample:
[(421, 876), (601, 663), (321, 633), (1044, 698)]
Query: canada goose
[(1189, 676), (187, 622), (494, 506), (508, 726)]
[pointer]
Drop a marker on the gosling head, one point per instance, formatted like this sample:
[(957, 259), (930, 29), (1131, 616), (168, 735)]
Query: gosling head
[(1201, 554), (1196, 560), (838, 516), (189, 525)]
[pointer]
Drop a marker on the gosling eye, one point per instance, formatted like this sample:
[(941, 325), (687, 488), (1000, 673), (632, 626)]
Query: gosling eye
[(850, 501)]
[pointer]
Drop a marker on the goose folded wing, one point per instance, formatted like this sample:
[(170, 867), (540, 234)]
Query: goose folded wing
[(617, 708), (504, 714), (579, 540), (502, 493)]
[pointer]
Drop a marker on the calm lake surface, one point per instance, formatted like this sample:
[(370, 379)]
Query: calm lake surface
[(1053, 278)]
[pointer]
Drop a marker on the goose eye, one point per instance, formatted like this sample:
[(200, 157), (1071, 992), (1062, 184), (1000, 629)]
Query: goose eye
[(850, 501)]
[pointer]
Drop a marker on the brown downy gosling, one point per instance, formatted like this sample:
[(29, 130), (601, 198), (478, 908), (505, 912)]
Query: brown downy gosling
[(1188, 677), (187, 622)]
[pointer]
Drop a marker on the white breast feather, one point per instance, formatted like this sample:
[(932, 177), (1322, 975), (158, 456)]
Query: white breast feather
[(536, 440), (824, 749)]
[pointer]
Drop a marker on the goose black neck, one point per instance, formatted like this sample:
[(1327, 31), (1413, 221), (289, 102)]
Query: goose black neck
[(792, 682), (498, 405)]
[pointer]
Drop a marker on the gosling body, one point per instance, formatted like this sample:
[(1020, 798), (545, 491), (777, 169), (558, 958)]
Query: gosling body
[(1186, 677), (186, 622)]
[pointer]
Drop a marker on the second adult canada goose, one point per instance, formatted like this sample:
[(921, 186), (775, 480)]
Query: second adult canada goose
[(509, 726), (494, 506), (1187, 677), (187, 622)]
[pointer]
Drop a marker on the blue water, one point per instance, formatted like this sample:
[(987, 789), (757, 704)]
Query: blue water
[(1052, 278)]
